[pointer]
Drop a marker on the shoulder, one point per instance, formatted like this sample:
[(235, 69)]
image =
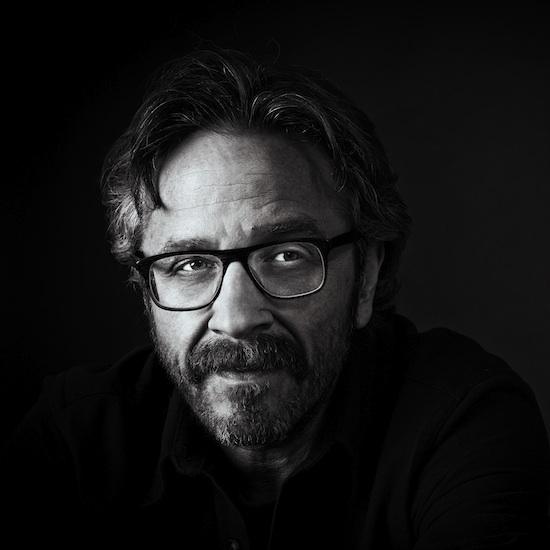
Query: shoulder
[(93, 433), (92, 397), (451, 365), (96, 406), (450, 387), (465, 430), (457, 401), (91, 381)]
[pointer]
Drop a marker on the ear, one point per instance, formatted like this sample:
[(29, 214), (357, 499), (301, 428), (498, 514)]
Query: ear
[(369, 280)]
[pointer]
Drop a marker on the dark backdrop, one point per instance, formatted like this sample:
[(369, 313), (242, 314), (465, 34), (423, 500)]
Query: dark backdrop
[(460, 99)]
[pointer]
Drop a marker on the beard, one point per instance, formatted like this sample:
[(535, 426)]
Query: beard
[(284, 389)]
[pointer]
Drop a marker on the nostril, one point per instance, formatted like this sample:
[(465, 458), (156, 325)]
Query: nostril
[(238, 328)]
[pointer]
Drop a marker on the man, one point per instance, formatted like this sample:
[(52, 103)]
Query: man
[(284, 404)]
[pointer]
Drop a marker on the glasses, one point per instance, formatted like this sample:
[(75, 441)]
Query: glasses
[(188, 280)]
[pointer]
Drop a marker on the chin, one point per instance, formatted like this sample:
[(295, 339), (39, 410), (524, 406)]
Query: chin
[(250, 414), (251, 431)]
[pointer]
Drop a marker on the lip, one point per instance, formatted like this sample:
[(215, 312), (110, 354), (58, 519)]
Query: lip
[(243, 377)]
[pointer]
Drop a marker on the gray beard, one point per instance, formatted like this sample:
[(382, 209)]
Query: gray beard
[(252, 423)]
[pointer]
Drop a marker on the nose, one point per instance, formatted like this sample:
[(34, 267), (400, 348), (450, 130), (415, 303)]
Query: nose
[(240, 309)]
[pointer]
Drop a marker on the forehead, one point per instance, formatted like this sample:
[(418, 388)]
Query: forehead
[(225, 187)]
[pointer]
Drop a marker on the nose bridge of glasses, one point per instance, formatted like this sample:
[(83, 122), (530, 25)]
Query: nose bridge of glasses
[(240, 256)]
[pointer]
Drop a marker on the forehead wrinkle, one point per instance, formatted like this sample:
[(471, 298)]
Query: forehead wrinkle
[(271, 190), (272, 166), (250, 178), (221, 200), (169, 188), (230, 183)]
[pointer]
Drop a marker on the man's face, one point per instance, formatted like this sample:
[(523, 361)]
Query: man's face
[(252, 366)]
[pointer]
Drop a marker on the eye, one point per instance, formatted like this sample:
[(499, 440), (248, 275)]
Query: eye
[(287, 256), (193, 265)]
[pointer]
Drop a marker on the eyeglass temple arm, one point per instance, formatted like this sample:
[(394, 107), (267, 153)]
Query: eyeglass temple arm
[(349, 237)]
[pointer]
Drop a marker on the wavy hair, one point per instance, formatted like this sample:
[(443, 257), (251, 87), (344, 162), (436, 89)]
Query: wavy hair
[(225, 90)]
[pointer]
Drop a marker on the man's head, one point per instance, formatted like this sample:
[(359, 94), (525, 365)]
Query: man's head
[(226, 154)]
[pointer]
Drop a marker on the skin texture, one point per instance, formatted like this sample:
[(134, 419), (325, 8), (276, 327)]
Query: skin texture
[(229, 190)]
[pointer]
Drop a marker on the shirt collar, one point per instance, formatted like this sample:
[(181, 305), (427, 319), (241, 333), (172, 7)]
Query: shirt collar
[(183, 447), (369, 386)]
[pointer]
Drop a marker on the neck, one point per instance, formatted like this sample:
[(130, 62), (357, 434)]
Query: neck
[(259, 472)]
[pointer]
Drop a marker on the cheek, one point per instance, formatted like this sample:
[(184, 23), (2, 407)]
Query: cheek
[(340, 288), (314, 320), (177, 330)]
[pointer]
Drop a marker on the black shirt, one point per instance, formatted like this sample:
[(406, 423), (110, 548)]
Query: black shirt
[(431, 443)]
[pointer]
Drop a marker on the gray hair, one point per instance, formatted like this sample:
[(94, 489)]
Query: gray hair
[(224, 90)]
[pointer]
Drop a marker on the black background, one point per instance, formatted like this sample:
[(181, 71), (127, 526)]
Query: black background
[(460, 97)]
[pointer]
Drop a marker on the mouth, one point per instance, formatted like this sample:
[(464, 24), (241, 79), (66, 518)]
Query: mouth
[(243, 377)]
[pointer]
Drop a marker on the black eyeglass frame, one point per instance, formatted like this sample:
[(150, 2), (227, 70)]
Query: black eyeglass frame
[(241, 255)]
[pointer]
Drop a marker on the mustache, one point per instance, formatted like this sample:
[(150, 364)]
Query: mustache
[(262, 353)]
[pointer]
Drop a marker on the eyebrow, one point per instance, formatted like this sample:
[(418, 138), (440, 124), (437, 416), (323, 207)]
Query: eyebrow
[(304, 226), (173, 245)]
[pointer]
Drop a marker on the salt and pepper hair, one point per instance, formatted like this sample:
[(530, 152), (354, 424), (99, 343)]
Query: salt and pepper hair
[(224, 90)]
